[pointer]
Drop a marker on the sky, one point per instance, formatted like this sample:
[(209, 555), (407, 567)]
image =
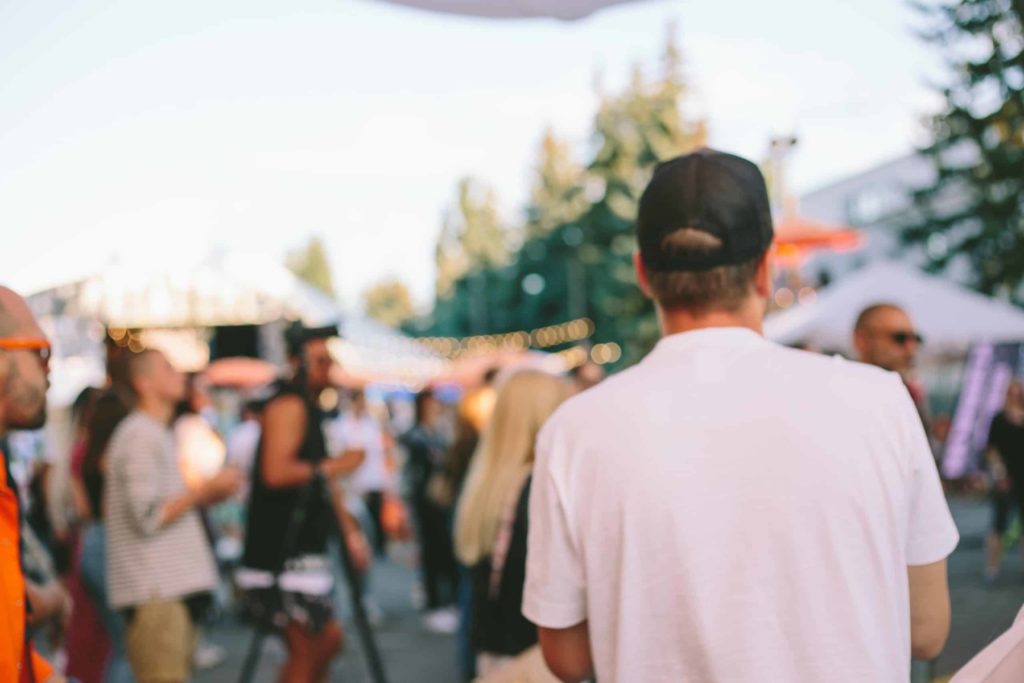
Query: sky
[(158, 132)]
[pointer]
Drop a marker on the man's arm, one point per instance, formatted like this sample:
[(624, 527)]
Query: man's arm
[(929, 609), (567, 652), (349, 461)]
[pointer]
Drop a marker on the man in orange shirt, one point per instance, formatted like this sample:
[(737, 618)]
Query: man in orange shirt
[(24, 370)]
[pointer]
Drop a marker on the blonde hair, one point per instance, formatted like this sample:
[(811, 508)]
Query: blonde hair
[(504, 458)]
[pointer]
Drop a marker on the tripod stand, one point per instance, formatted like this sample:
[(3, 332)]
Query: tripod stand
[(320, 487)]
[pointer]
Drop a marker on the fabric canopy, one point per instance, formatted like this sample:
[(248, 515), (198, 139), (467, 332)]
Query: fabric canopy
[(568, 10), (949, 316)]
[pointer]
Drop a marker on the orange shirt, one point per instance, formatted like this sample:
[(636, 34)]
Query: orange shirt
[(18, 660)]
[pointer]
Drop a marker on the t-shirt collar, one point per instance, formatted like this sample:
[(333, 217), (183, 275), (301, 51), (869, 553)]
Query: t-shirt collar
[(710, 338)]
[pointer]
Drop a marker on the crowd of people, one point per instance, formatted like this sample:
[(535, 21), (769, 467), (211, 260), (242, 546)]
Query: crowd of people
[(726, 510)]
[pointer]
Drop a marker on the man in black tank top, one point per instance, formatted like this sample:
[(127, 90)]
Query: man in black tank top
[(286, 572)]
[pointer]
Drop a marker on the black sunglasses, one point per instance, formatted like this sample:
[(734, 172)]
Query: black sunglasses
[(902, 338)]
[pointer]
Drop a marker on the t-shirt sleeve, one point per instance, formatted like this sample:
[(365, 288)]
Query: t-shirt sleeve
[(554, 595), (141, 473), (932, 534)]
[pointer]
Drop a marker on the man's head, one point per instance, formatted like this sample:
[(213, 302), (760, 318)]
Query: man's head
[(318, 365), (154, 380), (24, 367), (309, 345), (885, 336), (704, 229)]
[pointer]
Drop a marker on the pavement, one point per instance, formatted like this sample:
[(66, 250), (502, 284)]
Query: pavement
[(412, 655)]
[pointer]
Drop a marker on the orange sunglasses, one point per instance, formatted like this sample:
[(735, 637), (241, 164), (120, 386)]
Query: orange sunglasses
[(42, 347)]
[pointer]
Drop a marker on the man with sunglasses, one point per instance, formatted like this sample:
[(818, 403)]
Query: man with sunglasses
[(884, 336), (24, 370)]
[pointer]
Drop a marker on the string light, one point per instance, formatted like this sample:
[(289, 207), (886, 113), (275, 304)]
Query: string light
[(519, 340)]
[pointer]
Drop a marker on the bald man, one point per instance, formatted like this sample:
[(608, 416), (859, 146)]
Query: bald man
[(24, 371), (884, 335)]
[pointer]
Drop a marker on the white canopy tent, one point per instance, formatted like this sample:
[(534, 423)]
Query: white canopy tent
[(567, 10), (171, 302), (949, 316)]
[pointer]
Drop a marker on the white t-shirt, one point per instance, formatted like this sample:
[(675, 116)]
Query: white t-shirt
[(731, 510), (353, 432)]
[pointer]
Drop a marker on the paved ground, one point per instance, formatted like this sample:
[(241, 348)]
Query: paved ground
[(414, 656)]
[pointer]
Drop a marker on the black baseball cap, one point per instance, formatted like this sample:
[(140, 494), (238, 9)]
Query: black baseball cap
[(718, 193)]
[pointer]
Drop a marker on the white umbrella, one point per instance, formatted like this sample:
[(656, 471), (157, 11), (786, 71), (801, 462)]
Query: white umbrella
[(949, 316), (568, 10)]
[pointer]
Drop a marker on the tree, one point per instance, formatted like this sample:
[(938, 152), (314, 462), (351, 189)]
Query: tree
[(975, 208), (310, 265), (633, 132), (556, 197), (575, 259), (474, 242), (389, 303)]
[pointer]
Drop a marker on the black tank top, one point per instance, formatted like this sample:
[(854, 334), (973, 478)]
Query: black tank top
[(270, 509)]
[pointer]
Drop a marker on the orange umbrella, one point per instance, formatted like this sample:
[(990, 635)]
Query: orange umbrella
[(796, 237), (240, 373)]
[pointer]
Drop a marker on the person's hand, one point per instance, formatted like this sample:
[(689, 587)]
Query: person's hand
[(220, 486), (332, 468)]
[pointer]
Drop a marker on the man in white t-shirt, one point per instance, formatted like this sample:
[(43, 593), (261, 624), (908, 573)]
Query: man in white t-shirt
[(730, 510), (358, 429)]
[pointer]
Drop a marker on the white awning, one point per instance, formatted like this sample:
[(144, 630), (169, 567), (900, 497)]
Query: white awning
[(567, 10), (949, 316)]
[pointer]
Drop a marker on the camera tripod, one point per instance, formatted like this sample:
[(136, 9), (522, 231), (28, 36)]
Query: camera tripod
[(318, 486)]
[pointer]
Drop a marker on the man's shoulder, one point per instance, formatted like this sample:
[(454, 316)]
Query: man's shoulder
[(610, 394), (820, 367)]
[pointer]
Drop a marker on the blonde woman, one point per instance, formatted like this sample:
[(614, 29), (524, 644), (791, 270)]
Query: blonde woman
[(491, 521)]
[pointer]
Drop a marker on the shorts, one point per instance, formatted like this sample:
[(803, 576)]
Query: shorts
[(303, 594), (159, 641)]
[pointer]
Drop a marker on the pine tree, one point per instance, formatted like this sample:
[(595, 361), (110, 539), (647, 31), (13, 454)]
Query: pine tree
[(310, 264), (634, 131), (556, 197), (389, 303), (975, 209)]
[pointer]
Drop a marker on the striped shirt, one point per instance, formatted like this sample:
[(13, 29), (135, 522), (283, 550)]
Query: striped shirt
[(147, 561)]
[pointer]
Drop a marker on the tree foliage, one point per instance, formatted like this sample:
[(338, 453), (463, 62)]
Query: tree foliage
[(310, 264), (389, 302), (974, 210), (575, 257)]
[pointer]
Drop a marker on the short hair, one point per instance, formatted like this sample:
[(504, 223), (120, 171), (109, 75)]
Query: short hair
[(140, 364), (864, 319), (724, 287)]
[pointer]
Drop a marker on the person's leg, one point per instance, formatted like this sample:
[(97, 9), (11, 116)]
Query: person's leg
[(464, 643), (994, 541), (375, 506), (159, 640), (427, 523), (309, 652), (94, 580)]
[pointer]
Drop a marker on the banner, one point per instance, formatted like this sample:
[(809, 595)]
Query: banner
[(990, 368)]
